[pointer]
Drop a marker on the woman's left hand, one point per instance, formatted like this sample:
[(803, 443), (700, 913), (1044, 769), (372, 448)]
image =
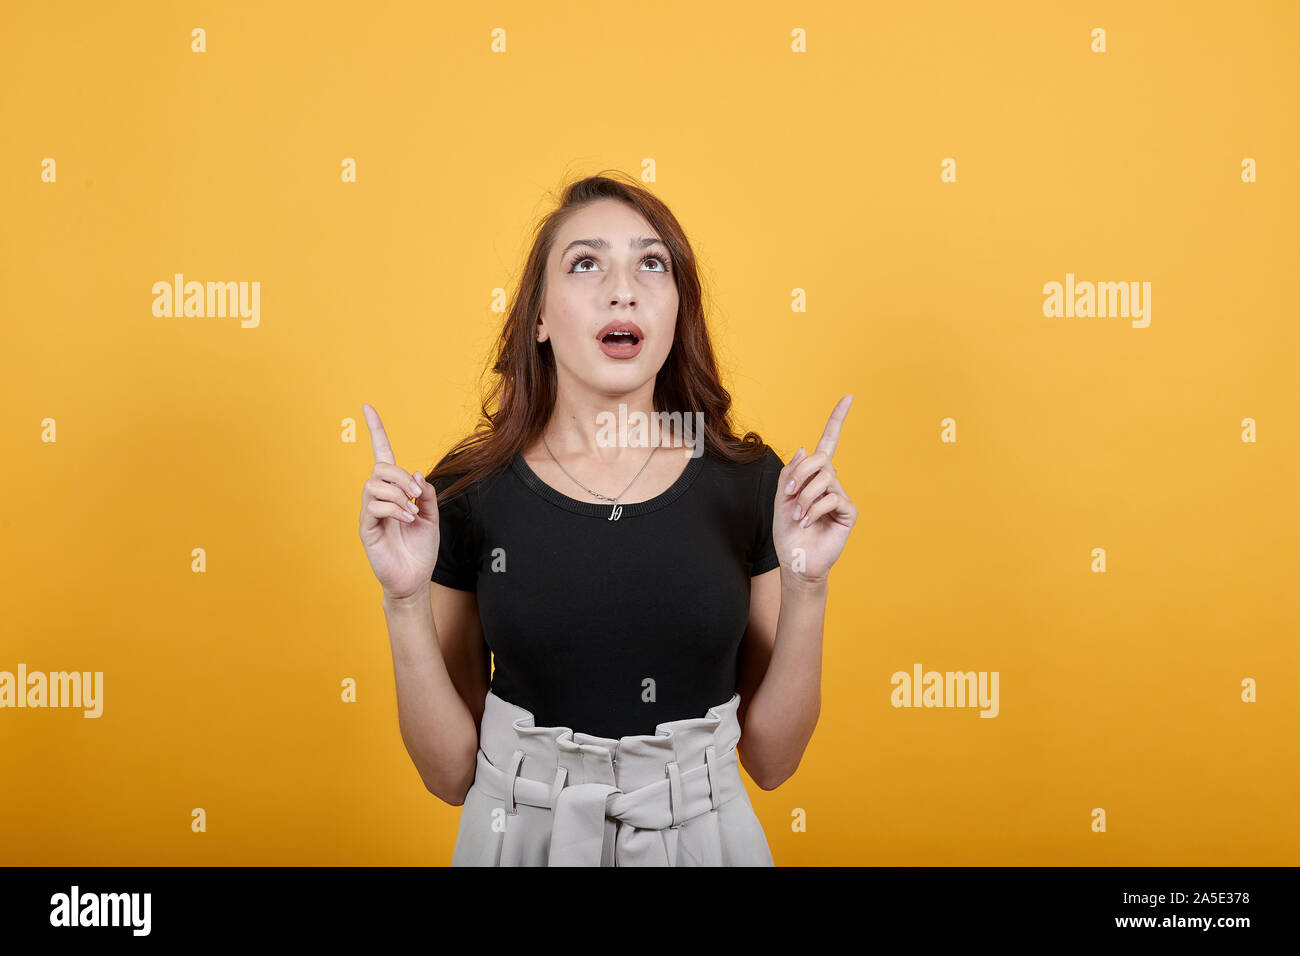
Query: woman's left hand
[(809, 544)]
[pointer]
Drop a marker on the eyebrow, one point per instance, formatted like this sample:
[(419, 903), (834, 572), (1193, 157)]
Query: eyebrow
[(637, 242)]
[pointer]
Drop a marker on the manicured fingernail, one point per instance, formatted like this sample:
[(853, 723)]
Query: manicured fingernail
[(798, 510), (804, 523), (789, 489)]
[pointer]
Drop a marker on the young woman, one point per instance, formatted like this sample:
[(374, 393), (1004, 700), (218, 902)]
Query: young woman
[(652, 598)]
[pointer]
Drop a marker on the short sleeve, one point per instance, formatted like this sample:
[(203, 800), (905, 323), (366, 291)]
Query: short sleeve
[(457, 565), (762, 555)]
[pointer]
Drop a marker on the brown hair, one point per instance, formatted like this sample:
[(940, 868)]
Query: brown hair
[(523, 392)]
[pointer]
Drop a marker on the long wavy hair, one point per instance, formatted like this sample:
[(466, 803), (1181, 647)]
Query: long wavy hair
[(522, 393)]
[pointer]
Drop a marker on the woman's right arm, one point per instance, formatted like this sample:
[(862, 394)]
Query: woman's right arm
[(440, 666), (439, 660)]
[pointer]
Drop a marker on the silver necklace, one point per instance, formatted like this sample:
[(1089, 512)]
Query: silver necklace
[(616, 510)]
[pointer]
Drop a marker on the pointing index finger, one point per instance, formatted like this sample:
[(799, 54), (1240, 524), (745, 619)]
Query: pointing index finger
[(831, 436), (378, 437)]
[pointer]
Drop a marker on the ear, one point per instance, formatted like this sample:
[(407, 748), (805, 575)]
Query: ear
[(542, 334)]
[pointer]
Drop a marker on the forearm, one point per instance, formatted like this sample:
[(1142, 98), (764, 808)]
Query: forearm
[(436, 725), (784, 710)]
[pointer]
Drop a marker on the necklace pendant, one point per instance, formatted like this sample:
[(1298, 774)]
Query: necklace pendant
[(615, 512)]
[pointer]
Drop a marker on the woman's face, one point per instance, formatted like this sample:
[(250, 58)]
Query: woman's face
[(608, 266)]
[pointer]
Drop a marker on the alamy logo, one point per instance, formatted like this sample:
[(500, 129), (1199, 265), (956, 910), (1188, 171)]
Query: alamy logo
[(215, 300), (950, 689), (57, 689), (639, 430), (102, 909), (1107, 300)]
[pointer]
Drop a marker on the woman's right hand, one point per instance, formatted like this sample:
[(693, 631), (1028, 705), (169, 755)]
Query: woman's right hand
[(400, 536)]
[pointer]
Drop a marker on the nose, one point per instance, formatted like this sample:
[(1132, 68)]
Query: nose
[(623, 285)]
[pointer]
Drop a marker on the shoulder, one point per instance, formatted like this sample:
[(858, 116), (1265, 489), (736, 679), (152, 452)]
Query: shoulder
[(765, 464), (470, 494), (762, 460), (754, 476), (769, 473), (451, 475), (771, 461)]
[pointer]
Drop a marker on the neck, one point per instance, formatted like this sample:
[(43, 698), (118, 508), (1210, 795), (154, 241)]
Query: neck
[(586, 425)]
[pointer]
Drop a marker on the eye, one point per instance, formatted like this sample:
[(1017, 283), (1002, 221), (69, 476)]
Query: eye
[(582, 257)]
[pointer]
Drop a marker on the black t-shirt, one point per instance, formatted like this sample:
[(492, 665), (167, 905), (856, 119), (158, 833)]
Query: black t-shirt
[(582, 612)]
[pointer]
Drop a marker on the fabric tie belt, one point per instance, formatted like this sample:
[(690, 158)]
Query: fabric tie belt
[(642, 823)]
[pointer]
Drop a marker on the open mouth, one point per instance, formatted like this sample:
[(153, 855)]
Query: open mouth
[(622, 340)]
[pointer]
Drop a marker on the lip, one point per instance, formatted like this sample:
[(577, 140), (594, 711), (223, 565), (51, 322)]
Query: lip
[(620, 326), (620, 351)]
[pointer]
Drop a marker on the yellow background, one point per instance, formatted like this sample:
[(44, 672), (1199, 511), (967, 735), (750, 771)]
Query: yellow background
[(817, 171)]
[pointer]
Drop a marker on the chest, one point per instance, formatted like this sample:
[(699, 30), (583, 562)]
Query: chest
[(673, 574)]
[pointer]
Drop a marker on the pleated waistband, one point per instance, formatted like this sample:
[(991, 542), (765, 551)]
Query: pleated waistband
[(508, 731)]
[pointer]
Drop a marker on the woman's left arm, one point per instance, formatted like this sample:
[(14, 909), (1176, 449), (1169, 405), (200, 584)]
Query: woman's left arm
[(781, 655)]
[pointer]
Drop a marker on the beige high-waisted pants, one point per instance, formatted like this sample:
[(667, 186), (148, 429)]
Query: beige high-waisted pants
[(547, 796)]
